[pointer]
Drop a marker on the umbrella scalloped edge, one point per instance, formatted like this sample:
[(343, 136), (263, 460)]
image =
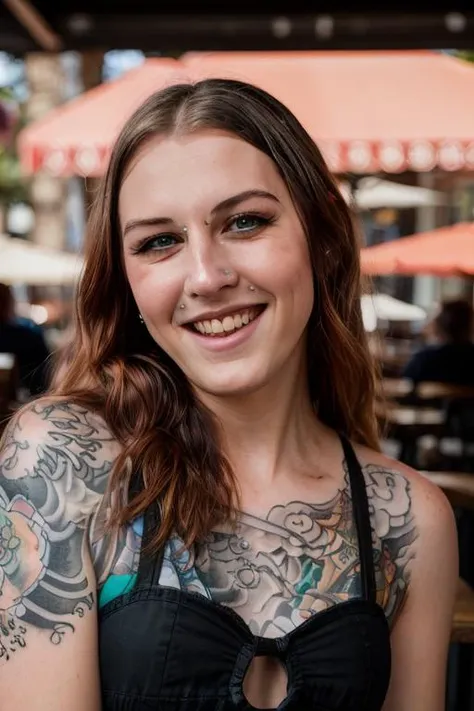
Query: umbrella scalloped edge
[(353, 156)]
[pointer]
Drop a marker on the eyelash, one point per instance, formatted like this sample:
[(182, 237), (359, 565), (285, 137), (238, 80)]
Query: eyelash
[(145, 245)]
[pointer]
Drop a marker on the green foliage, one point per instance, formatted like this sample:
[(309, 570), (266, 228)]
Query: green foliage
[(6, 94), (467, 55), (12, 184)]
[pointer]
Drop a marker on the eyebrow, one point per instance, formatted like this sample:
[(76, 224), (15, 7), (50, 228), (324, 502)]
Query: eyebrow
[(226, 204), (146, 222), (240, 197)]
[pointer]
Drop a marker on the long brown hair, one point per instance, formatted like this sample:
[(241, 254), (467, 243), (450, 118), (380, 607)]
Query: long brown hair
[(168, 437)]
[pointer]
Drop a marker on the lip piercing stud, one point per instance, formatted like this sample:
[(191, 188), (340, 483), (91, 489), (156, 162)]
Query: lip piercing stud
[(251, 287), (182, 306)]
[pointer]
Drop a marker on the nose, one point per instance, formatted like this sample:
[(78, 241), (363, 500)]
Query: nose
[(208, 271)]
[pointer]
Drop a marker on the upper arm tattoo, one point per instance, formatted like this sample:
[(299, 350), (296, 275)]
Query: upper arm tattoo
[(52, 477)]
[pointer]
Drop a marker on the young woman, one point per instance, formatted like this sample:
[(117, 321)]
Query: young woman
[(198, 517)]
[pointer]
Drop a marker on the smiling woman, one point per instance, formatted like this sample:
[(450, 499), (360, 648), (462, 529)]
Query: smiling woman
[(198, 514)]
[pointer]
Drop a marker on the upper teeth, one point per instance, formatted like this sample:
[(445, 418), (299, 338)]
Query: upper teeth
[(227, 324)]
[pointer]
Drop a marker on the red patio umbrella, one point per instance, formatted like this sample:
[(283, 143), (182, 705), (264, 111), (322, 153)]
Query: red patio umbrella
[(369, 111), (446, 251)]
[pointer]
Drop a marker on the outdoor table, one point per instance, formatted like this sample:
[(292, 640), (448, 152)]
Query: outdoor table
[(394, 388), (413, 416), (407, 423)]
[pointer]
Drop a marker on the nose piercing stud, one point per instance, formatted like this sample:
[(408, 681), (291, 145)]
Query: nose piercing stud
[(182, 306), (251, 287), (227, 272)]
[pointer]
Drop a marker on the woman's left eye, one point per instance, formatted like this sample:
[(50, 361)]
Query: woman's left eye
[(247, 222)]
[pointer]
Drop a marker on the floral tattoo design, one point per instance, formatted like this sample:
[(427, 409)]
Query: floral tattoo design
[(302, 558)]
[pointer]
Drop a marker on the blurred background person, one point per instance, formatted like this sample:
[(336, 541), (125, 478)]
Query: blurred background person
[(450, 357), (25, 341)]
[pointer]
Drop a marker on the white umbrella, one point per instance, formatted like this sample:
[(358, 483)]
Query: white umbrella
[(23, 262), (382, 307), (373, 193)]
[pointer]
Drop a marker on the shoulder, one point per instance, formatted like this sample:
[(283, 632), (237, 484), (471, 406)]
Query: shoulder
[(408, 508), (414, 532), (393, 486), (56, 444), (41, 421)]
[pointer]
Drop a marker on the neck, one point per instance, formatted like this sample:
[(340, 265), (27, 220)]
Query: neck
[(268, 432)]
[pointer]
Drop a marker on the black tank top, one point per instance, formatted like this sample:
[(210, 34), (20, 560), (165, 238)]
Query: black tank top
[(165, 649)]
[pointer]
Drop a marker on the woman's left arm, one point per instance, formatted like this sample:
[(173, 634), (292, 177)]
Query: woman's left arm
[(421, 633)]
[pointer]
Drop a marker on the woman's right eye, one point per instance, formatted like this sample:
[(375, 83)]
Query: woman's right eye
[(158, 243)]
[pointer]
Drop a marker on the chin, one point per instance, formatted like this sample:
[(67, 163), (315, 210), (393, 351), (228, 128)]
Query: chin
[(236, 385)]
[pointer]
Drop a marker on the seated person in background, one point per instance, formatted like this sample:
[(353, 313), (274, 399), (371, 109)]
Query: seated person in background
[(26, 343), (450, 359)]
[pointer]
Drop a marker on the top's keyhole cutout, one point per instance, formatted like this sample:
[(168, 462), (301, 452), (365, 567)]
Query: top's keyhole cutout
[(266, 683)]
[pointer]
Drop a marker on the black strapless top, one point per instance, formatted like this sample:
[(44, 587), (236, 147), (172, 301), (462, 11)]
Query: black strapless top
[(165, 649)]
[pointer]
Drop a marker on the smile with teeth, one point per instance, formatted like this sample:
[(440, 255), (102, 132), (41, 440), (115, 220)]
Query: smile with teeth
[(228, 324)]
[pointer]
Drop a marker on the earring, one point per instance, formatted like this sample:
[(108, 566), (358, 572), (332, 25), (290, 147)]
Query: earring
[(251, 287), (140, 318)]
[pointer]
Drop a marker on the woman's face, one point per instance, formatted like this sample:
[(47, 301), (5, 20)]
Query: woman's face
[(217, 260)]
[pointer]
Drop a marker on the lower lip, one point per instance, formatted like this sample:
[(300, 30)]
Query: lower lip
[(218, 344)]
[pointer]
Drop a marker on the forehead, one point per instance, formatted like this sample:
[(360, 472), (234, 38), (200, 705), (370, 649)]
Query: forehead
[(201, 167)]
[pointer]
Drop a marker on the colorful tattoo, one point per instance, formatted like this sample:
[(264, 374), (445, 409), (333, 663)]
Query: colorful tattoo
[(300, 559)]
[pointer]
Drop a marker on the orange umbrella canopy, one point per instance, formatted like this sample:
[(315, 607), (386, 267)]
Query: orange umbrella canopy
[(446, 251), (369, 111)]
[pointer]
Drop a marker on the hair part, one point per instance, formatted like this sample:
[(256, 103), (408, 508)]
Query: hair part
[(171, 444)]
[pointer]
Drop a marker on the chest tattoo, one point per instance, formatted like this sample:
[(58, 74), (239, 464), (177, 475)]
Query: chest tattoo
[(278, 570)]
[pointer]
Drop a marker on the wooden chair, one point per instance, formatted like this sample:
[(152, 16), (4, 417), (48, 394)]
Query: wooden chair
[(406, 423), (460, 688), (457, 401), (8, 386), (463, 618)]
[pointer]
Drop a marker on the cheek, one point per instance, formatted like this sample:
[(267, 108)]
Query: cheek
[(155, 291), (289, 271)]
